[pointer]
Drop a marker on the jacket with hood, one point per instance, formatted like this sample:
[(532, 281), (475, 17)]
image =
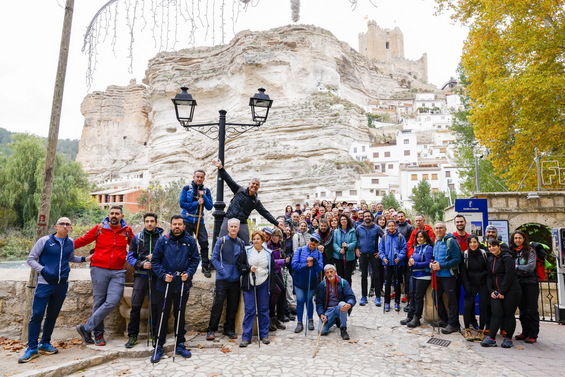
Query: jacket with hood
[(142, 245), (225, 256), (189, 202), (50, 258), (448, 254), (393, 246)]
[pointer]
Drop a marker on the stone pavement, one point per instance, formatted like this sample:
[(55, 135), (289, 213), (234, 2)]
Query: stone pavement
[(379, 346)]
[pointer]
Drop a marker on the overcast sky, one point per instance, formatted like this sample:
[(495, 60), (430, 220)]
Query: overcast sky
[(31, 35)]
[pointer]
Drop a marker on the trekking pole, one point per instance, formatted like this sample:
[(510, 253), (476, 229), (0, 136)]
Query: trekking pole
[(318, 341), (161, 320), (396, 285), (308, 299), (435, 300), (256, 308), (150, 316), (178, 315), (199, 217), (385, 270)]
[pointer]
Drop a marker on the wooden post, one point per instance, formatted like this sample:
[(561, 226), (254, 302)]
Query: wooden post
[(50, 157)]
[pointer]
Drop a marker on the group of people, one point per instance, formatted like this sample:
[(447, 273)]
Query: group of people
[(305, 261)]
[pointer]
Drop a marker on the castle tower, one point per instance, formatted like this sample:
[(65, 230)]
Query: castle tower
[(381, 44)]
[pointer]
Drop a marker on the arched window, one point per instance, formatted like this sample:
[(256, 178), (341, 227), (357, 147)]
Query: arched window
[(387, 44)]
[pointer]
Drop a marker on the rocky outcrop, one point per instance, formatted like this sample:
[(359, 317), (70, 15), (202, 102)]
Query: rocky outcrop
[(318, 85)]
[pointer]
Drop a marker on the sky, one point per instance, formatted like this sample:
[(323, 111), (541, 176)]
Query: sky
[(31, 35)]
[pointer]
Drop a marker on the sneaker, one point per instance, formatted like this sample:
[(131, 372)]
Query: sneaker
[(520, 337), (210, 335), (47, 349), (230, 334), (299, 327), (397, 307), (132, 341), (363, 301), (311, 325), (182, 351), (415, 322), (404, 321), (85, 335), (157, 354), (244, 343), (530, 340), (488, 342), (507, 343), (468, 334), (387, 307), (266, 341), (99, 340), (450, 329), (28, 355), (480, 336), (378, 301), (343, 333)]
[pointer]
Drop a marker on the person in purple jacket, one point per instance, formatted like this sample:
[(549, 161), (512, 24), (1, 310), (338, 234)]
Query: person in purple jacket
[(277, 305)]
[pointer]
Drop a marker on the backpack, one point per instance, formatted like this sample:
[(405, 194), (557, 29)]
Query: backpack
[(541, 258), (466, 257)]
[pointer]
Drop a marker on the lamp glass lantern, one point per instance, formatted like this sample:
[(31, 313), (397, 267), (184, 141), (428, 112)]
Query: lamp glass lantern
[(260, 104), (184, 106)]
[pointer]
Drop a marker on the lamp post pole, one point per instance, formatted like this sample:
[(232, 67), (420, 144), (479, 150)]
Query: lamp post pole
[(219, 205)]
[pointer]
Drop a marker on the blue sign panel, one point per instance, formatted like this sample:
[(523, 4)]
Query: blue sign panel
[(476, 213)]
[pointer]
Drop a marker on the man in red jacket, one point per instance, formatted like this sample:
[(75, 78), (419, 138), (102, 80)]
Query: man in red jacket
[(420, 225), (107, 271)]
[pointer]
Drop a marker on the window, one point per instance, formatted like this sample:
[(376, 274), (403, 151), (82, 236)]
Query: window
[(323, 194), (375, 154), (434, 177), (377, 167), (387, 154), (425, 177), (414, 177), (435, 190), (407, 152), (375, 181), (352, 192), (406, 141), (391, 166), (338, 193), (354, 149), (393, 192), (387, 45), (363, 148), (447, 174), (121, 198)]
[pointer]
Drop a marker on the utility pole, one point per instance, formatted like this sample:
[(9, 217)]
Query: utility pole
[(50, 157), (477, 181)]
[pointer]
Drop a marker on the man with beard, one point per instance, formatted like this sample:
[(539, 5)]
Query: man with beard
[(174, 261), (107, 271), (367, 251), (460, 234), (192, 198)]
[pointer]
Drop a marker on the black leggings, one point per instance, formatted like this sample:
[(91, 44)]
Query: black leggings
[(393, 275), (503, 313), (420, 286), (481, 289), (345, 271), (366, 260), (529, 315)]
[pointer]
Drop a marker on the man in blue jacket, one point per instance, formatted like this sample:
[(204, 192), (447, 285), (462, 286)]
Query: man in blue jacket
[(50, 257), (224, 258), (334, 300), (367, 251), (447, 256), (175, 260), (193, 199)]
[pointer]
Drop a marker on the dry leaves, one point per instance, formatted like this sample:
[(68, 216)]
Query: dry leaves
[(200, 346), (122, 372), (225, 349), (354, 341), (10, 344)]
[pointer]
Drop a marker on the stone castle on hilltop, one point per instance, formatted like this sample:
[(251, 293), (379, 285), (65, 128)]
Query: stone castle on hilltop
[(387, 46)]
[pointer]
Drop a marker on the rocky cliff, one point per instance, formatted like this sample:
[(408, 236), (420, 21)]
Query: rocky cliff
[(318, 85)]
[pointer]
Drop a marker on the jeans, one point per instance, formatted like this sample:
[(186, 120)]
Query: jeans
[(250, 310), (50, 297), (225, 291), (301, 299), (107, 291), (332, 315)]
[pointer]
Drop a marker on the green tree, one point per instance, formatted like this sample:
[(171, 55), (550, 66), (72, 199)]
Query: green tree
[(431, 204), (389, 200), (162, 199), (513, 57)]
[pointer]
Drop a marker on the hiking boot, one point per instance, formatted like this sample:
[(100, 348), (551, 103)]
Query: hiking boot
[(397, 307), (47, 349), (292, 317), (468, 334), (343, 333), (132, 341), (387, 307), (450, 329), (230, 334), (182, 351), (440, 323), (363, 301), (266, 341), (279, 325), (405, 320), (244, 343), (299, 327), (99, 340), (284, 318), (210, 335), (530, 340), (29, 354), (272, 325), (520, 337), (507, 343), (488, 342), (311, 325), (415, 322), (378, 301), (206, 272), (480, 336), (157, 354), (85, 335)]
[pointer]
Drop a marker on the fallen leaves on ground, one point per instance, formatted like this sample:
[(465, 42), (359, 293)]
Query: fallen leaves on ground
[(354, 341), (10, 344), (200, 346), (122, 372), (225, 349)]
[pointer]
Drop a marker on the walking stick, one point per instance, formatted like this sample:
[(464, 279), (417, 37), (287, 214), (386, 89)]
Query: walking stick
[(318, 341), (396, 285), (178, 315), (385, 270), (308, 299), (161, 320), (150, 316), (199, 217), (256, 308), (435, 301)]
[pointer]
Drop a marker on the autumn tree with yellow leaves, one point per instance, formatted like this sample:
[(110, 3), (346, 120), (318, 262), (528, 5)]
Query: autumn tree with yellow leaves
[(514, 58)]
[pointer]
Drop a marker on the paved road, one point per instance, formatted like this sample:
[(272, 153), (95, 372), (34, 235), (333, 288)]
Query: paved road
[(379, 345)]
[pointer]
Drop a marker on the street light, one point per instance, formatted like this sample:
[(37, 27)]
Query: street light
[(260, 104)]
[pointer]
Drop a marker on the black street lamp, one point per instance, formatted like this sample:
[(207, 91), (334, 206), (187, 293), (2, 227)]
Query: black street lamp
[(260, 104)]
